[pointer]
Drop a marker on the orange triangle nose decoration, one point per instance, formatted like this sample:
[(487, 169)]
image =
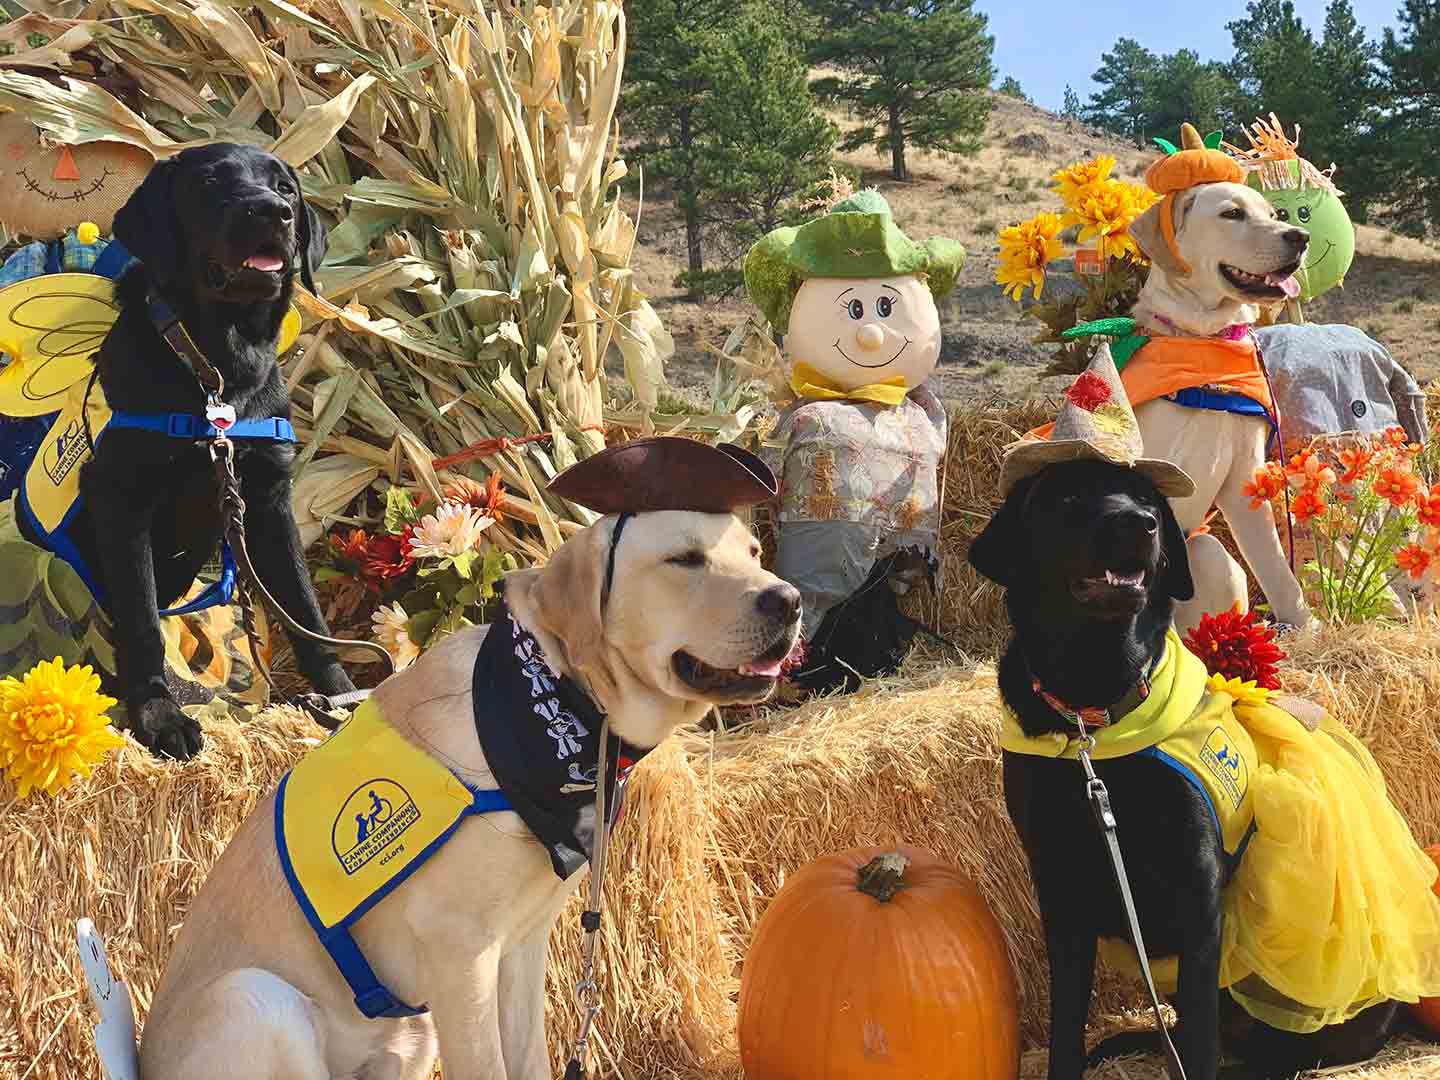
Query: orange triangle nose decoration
[(65, 168)]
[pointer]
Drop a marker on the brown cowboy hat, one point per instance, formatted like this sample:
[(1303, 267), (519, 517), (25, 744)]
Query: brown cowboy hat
[(667, 473)]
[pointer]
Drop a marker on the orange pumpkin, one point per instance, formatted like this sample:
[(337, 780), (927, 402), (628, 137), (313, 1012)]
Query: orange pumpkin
[(879, 963), (1428, 1010)]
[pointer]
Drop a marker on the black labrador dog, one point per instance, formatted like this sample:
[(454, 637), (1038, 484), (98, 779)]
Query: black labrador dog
[(221, 232), (1092, 561)]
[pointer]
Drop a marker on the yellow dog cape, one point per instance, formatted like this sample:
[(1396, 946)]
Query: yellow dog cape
[(353, 819), (1330, 911)]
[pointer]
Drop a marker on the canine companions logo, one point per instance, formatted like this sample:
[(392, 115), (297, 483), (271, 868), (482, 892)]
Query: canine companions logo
[(1226, 764), (62, 454), (371, 822)]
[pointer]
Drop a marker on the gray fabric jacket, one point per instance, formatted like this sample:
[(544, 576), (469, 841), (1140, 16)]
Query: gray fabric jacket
[(1334, 379)]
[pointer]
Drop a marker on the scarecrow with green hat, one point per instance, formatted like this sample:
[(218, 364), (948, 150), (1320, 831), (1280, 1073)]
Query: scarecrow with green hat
[(858, 451)]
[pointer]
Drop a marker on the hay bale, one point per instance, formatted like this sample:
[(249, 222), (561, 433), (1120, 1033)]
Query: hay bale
[(715, 825)]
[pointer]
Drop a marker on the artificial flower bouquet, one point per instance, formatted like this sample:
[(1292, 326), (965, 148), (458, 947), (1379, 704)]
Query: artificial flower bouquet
[(1371, 513), (1109, 268), (426, 572)]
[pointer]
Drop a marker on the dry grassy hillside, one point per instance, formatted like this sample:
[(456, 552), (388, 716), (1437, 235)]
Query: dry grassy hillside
[(1393, 290)]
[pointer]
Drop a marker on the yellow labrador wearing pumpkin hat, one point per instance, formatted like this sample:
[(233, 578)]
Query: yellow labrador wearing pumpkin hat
[(651, 615), (1217, 251)]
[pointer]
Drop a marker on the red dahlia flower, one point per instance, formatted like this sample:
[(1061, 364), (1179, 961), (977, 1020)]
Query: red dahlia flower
[(1235, 646)]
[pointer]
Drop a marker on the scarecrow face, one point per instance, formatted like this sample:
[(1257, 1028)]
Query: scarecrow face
[(51, 189), (857, 331), (1332, 236)]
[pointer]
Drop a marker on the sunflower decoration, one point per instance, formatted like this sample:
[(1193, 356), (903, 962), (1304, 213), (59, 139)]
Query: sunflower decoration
[(54, 726), (1025, 250)]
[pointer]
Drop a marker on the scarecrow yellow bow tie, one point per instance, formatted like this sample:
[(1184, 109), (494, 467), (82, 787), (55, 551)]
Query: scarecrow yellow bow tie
[(809, 383)]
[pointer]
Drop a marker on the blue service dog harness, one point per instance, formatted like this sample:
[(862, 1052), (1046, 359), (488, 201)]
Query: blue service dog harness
[(42, 456), (364, 810)]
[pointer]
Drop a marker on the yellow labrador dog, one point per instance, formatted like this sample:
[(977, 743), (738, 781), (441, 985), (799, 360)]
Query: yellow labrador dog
[(676, 617), (1240, 256)]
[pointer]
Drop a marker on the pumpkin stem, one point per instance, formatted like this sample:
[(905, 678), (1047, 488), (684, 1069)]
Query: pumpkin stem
[(1190, 138), (883, 876)]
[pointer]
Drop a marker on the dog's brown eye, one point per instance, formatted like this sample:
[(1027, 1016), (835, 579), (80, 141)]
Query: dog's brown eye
[(691, 559), (1235, 213)]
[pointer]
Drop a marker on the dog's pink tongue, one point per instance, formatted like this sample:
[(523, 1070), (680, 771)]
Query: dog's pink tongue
[(268, 263), (1287, 284), (770, 669)]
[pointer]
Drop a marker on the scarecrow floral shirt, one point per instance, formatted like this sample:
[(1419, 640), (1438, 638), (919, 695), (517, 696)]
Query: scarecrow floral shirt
[(861, 462)]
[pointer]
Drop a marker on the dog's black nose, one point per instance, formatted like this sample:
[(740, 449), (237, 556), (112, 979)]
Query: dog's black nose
[(1133, 520), (780, 602), (1298, 237), (275, 209)]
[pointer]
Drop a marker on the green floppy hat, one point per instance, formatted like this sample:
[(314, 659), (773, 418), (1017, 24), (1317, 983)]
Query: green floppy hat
[(857, 238)]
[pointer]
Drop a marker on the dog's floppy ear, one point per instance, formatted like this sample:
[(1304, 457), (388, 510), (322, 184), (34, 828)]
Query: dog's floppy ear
[(566, 599), (313, 237), (1149, 237), (147, 224), (997, 553), (1175, 579)]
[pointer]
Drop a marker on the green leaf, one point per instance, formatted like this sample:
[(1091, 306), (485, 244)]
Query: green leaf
[(421, 626), (1214, 139), (1166, 145), (399, 510)]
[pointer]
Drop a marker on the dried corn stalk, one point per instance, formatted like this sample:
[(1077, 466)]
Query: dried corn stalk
[(478, 274)]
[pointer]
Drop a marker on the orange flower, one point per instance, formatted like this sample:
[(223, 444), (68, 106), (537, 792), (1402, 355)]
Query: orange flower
[(487, 497), (1428, 504), (1307, 470), (1310, 503), (1413, 559), (1398, 485), (1396, 438), (1265, 486), (1356, 461)]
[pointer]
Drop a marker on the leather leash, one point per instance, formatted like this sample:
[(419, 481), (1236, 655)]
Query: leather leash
[(232, 511), (1099, 797), (587, 990)]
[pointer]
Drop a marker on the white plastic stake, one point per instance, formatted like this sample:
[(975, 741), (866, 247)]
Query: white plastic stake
[(115, 1033)]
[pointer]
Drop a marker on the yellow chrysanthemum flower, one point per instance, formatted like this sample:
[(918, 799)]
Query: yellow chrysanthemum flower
[(1104, 214), (1025, 249), (53, 726), (1075, 181), (1244, 693)]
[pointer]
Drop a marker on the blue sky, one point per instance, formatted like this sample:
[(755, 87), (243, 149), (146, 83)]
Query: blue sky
[(1048, 43)]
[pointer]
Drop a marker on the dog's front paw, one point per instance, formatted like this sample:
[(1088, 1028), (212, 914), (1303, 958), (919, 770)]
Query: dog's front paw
[(164, 730), (330, 679)]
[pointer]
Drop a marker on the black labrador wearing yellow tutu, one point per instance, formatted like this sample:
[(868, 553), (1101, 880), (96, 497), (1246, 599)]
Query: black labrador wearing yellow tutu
[(1262, 853), (123, 489)]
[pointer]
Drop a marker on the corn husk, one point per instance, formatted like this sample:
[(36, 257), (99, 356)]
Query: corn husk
[(477, 284)]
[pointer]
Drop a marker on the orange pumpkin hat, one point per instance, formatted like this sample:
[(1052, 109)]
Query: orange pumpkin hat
[(1194, 163)]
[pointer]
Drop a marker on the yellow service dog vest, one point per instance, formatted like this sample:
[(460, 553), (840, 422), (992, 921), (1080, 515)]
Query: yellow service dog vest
[(354, 818), (1183, 726)]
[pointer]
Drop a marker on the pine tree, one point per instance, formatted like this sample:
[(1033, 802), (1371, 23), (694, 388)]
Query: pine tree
[(1010, 87), (1184, 87), (764, 144), (1342, 132), (1276, 65), (667, 80), (1410, 58), (915, 73), (1071, 110), (1125, 74)]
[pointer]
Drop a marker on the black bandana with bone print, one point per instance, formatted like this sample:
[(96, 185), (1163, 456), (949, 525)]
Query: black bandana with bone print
[(541, 737)]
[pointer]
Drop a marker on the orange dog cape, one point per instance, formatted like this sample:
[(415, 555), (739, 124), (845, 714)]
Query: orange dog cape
[(1198, 373)]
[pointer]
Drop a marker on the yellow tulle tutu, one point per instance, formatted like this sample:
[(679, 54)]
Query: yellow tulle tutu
[(1331, 910)]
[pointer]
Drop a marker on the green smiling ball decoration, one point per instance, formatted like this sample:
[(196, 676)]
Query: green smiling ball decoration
[(1304, 195)]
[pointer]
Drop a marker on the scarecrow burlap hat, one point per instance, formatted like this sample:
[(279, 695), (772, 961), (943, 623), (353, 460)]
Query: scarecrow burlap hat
[(667, 473), (856, 238), (1095, 423)]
